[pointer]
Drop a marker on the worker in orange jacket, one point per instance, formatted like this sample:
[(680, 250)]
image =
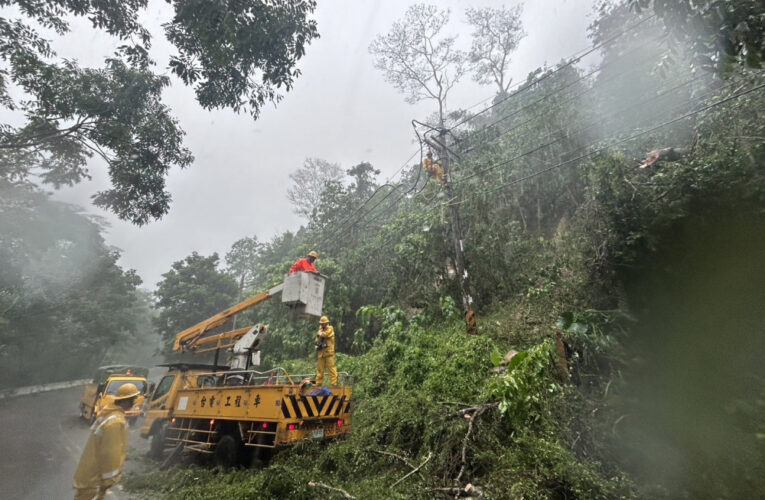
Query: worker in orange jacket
[(325, 352), (102, 459), (306, 264)]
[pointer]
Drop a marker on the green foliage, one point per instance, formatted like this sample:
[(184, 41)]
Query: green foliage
[(526, 390), (235, 54), (406, 390), (65, 303), (589, 332), (720, 33), (193, 290), (563, 244), (241, 259)]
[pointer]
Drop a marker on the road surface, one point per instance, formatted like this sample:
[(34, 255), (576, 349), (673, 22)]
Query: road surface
[(41, 440)]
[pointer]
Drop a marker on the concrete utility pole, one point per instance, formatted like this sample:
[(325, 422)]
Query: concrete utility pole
[(459, 246)]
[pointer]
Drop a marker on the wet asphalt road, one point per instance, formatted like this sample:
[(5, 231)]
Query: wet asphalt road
[(41, 439)]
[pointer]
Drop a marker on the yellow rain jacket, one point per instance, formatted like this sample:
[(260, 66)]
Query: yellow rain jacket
[(325, 358), (328, 337), (104, 455)]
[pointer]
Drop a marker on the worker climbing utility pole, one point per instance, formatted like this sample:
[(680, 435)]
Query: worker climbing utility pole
[(459, 246)]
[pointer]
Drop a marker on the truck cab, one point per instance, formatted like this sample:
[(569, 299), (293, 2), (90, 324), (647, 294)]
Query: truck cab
[(104, 386), (162, 400)]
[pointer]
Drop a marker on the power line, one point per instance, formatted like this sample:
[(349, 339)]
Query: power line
[(559, 68), (597, 121), (344, 224), (684, 103), (574, 59), (471, 135), (342, 229), (344, 221), (346, 229), (621, 141)]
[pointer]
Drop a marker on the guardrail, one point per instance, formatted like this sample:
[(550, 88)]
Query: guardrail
[(34, 389)]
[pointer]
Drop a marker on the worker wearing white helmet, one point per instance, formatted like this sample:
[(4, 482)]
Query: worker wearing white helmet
[(102, 459), (325, 352)]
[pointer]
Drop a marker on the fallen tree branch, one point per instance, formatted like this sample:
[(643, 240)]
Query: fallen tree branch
[(465, 442), (664, 154), (468, 490), (472, 409), (413, 470), (331, 488), (400, 458)]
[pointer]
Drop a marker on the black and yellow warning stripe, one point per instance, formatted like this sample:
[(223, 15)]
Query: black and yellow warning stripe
[(314, 406)]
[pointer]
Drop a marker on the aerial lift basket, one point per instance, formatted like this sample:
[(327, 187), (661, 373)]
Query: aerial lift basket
[(303, 293)]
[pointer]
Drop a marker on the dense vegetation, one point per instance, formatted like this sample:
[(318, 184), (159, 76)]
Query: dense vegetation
[(621, 207), (600, 204), (66, 306), (57, 114)]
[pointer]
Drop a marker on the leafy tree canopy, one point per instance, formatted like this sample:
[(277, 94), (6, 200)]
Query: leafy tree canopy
[(194, 289), (720, 33), (235, 54), (64, 300)]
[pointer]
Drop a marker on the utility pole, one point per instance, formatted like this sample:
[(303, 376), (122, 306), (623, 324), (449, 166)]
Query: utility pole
[(459, 246)]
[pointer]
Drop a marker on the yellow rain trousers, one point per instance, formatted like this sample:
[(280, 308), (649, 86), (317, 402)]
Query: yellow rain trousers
[(325, 359), (104, 455)]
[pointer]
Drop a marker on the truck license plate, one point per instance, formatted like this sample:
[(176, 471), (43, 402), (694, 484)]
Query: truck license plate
[(317, 434)]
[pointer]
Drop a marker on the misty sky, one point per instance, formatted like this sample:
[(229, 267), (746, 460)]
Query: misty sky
[(340, 110)]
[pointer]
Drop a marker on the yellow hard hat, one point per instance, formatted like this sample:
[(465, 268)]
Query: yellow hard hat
[(324, 320), (127, 391), (313, 254)]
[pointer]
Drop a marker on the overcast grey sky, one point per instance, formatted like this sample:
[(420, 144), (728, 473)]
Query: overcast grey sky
[(340, 110)]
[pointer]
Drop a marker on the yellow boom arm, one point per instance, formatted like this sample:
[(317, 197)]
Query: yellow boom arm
[(190, 338)]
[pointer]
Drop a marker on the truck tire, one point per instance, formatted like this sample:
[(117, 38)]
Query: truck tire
[(157, 442), (261, 457), (227, 452)]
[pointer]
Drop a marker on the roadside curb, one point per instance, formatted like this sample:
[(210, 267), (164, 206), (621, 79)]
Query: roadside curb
[(34, 389)]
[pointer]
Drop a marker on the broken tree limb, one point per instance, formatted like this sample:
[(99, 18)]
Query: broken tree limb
[(560, 349), (663, 154), (468, 491), (505, 361), (456, 403), (413, 470), (400, 458), (472, 409), (465, 442), (345, 494)]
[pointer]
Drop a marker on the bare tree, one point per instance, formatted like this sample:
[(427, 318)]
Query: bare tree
[(497, 34), (308, 183), (417, 59)]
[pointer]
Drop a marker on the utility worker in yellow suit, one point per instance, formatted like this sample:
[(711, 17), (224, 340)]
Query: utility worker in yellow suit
[(104, 455), (325, 356)]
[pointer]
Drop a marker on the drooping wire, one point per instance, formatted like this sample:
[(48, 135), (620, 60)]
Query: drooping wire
[(521, 88), (573, 60), (621, 141)]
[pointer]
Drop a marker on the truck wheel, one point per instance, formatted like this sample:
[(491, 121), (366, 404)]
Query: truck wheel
[(157, 443), (227, 451), (261, 457)]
